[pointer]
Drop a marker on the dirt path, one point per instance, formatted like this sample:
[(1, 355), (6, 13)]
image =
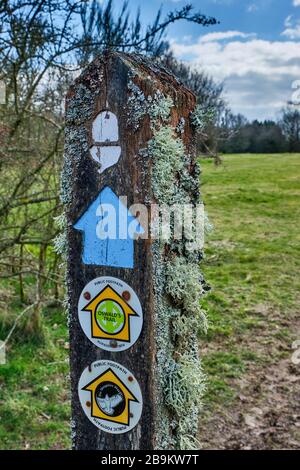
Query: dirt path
[(265, 413)]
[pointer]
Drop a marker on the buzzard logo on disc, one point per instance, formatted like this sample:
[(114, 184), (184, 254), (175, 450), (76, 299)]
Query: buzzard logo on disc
[(110, 397)]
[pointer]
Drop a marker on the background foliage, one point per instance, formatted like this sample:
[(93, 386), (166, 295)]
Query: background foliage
[(43, 45)]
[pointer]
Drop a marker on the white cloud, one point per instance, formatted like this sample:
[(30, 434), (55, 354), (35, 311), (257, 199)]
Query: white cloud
[(224, 2), (242, 57), (211, 37), (292, 28), (257, 74), (296, 3)]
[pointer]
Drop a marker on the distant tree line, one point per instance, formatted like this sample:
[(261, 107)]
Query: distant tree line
[(261, 136), (225, 132)]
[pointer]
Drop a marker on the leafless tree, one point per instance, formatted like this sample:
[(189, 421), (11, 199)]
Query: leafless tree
[(42, 43)]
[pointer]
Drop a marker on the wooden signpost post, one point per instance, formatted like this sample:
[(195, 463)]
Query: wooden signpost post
[(133, 301)]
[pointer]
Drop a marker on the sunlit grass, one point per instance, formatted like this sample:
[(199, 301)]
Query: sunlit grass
[(252, 263), (34, 404), (252, 260)]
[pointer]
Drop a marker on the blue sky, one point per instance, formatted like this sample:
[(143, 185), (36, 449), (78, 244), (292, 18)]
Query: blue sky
[(264, 17), (254, 51)]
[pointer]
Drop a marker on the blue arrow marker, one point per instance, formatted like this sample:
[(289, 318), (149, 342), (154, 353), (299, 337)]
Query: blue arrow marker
[(102, 224)]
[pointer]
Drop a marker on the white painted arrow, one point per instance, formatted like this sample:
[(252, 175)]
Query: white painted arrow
[(105, 131)]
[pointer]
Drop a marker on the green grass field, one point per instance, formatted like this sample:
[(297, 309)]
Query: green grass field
[(34, 389), (252, 263)]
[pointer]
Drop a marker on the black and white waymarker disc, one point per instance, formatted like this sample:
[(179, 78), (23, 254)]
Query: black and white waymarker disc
[(110, 397)]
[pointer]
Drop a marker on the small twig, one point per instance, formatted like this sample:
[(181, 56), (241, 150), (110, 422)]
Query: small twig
[(45, 415), (65, 361)]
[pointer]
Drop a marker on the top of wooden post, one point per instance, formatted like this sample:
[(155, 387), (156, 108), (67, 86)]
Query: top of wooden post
[(141, 68), (131, 87)]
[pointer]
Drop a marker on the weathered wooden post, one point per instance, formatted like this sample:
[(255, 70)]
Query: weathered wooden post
[(133, 300)]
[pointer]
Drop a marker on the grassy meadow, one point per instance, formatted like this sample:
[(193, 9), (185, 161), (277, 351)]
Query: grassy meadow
[(252, 264)]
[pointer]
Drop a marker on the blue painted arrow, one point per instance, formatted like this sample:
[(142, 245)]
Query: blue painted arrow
[(105, 242)]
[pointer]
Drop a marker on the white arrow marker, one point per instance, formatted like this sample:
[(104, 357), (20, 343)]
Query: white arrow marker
[(105, 133)]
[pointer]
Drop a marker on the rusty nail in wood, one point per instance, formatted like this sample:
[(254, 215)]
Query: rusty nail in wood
[(131, 415), (113, 343), (130, 378), (88, 403), (126, 295), (87, 295)]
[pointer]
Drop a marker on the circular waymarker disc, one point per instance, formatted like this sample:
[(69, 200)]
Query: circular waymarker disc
[(110, 313), (110, 397)]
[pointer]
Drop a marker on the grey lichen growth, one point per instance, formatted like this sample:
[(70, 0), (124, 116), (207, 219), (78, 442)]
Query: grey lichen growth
[(157, 107), (76, 146), (202, 116), (168, 156), (184, 385), (178, 287), (190, 183), (73, 429), (137, 105), (81, 107), (160, 107), (184, 284), (61, 241), (180, 126)]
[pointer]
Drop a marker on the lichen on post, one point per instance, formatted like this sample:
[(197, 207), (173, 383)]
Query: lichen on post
[(157, 166)]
